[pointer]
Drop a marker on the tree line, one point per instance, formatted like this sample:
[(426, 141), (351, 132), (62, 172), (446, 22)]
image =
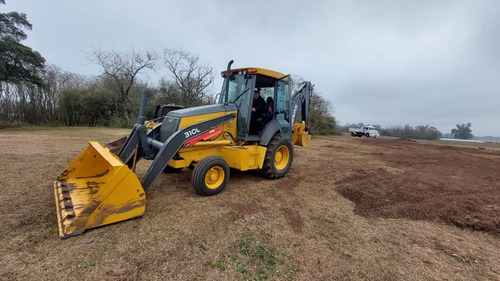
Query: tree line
[(112, 98), (109, 99), (424, 132)]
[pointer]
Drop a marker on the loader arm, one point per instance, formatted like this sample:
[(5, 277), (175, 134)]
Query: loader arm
[(136, 139), (171, 146)]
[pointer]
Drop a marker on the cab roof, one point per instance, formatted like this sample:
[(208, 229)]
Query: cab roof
[(256, 70)]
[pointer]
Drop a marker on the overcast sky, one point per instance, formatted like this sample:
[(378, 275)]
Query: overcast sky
[(378, 62)]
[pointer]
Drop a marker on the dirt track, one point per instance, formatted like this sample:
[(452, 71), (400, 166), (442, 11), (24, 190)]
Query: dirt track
[(455, 185)]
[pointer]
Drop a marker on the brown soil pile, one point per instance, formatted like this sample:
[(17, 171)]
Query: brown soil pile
[(456, 185)]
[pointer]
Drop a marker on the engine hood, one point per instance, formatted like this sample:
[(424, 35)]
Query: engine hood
[(201, 110)]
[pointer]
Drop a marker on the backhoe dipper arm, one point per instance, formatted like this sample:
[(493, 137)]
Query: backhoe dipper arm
[(169, 148), (302, 98)]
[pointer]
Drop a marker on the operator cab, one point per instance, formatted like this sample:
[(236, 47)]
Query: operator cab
[(273, 87)]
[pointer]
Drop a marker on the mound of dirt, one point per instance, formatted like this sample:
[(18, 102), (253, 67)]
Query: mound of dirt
[(456, 185)]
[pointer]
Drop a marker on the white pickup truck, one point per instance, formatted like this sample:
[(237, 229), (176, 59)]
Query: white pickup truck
[(367, 131)]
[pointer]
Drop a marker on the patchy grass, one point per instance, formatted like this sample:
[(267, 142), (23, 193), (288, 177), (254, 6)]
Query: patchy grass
[(295, 228)]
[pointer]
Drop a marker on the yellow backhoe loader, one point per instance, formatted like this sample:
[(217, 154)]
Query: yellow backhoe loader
[(100, 188)]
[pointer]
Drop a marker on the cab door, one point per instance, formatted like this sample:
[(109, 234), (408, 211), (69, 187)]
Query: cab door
[(240, 93), (282, 92)]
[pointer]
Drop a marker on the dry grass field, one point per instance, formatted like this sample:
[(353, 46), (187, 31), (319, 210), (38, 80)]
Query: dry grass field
[(350, 209)]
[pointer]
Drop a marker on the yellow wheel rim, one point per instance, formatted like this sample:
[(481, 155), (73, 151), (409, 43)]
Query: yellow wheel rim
[(214, 177), (281, 157)]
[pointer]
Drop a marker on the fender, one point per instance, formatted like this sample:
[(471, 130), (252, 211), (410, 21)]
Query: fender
[(269, 131)]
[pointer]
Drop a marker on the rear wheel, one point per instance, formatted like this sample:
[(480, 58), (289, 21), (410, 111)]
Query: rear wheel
[(278, 159), (210, 175)]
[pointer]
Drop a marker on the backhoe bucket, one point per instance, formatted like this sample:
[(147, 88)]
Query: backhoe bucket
[(94, 190), (300, 136)]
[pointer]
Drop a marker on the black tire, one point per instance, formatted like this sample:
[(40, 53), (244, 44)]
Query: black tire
[(210, 176), (353, 134), (171, 170), (278, 159), (367, 135)]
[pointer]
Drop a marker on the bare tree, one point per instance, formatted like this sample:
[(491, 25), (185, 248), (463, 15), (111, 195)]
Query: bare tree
[(123, 69), (190, 76)]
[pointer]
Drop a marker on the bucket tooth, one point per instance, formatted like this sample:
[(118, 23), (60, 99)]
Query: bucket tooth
[(94, 190)]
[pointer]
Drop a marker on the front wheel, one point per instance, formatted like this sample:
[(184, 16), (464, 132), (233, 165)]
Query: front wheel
[(278, 159), (210, 176)]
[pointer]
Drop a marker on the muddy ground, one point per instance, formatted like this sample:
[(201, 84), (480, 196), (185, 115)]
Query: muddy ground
[(450, 184), (350, 209)]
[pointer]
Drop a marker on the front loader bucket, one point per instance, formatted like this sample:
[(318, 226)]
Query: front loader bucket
[(96, 189)]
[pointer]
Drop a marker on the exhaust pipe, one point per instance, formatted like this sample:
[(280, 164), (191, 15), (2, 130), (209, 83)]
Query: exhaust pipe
[(143, 109), (228, 77)]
